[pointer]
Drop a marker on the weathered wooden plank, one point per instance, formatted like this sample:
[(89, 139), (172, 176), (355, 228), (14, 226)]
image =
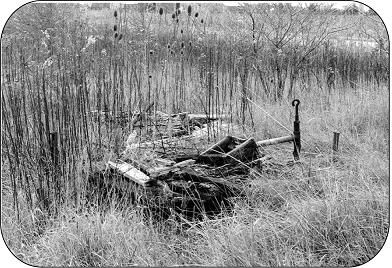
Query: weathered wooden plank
[(220, 146), (131, 173), (246, 151), (138, 165), (160, 171)]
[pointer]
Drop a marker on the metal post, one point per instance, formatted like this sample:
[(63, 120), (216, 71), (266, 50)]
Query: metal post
[(297, 132), (335, 145)]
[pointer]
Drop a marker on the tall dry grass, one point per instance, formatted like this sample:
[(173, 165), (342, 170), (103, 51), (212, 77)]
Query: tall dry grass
[(315, 212)]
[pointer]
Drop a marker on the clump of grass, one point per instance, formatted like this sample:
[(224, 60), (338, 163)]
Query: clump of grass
[(117, 238)]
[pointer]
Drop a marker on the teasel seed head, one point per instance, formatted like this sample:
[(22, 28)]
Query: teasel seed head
[(172, 52), (168, 46), (178, 5), (196, 14), (120, 37), (150, 76), (190, 43), (115, 27), (115, 35), (182, 44), (182, 31), (161, 11), (178, 12), (177, 20), (151, 52), (189, 10), (182, 52), (173, 16), (115, 13), (201, 20)]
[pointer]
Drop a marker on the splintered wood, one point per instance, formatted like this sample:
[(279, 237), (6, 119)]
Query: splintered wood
[(130, 172), (188, 172)]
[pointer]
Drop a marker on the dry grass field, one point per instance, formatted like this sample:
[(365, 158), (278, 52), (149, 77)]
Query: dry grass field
[(62, 61)]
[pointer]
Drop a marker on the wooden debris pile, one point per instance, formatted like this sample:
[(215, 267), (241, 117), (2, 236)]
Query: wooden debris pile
[(180, 173), (176, 169)]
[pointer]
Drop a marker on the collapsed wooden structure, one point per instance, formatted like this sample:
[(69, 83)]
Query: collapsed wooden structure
[(194, 183)]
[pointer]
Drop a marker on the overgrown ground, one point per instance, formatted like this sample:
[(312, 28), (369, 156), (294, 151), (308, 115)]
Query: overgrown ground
[(315, 212)]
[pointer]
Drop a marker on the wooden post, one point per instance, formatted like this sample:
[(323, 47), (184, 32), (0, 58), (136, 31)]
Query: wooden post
[(54, 151), (335, 146)]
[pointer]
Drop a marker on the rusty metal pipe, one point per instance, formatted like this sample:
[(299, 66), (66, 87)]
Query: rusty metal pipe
[(275, 140)]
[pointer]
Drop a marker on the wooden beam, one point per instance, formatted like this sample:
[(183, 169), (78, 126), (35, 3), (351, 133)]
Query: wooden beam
[(132, 173), (220, 146), (246, 151)]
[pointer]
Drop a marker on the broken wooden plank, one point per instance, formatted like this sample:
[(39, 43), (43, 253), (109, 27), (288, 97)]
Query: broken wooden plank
[(132, 173), (160, 171), (138, 165)]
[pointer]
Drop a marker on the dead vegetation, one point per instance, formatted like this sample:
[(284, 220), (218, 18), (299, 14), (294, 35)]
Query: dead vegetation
[(110, 134)]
